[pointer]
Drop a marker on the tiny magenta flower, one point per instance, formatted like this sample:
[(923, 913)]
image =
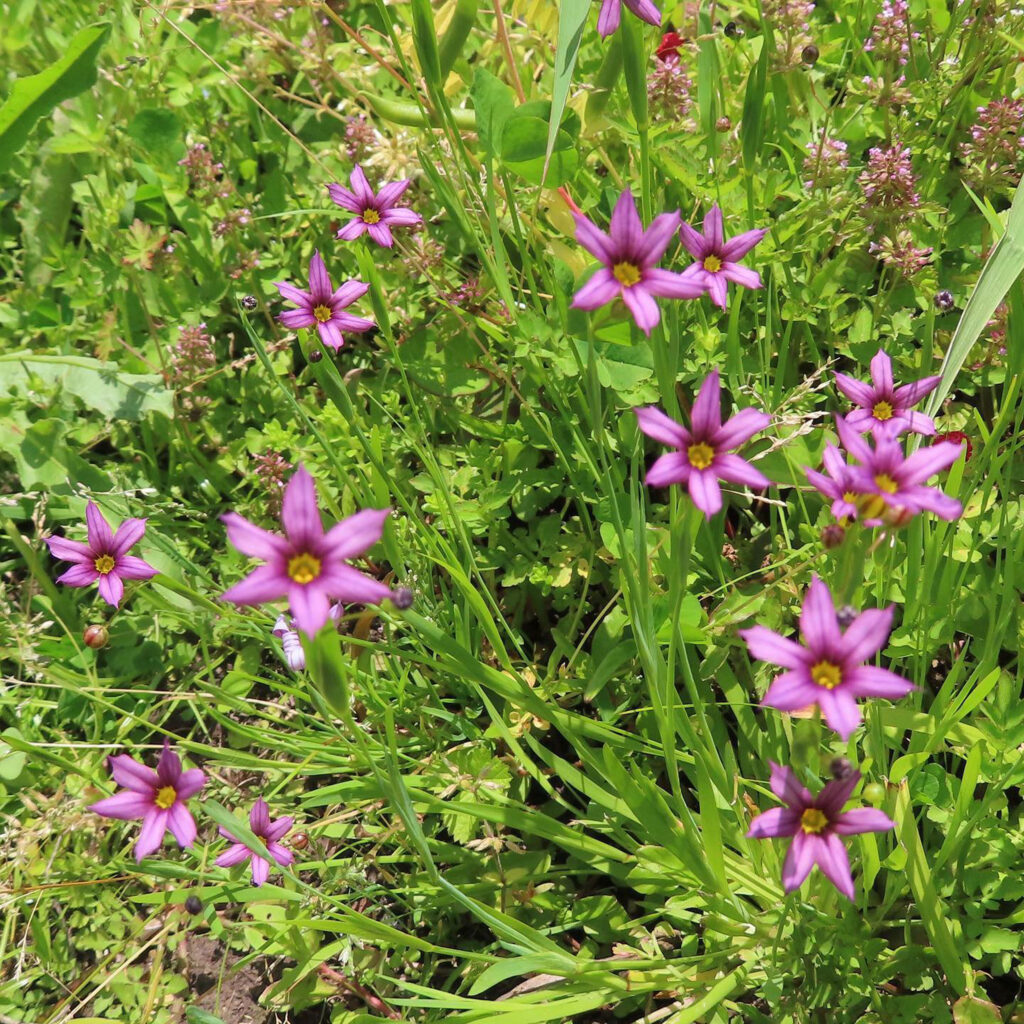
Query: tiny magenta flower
[(883, 407), (629, 254), (828, 668), (611, 14), (703, 453), (270, 832), (105, 557), (157, 797), (376, 212), (816, 823), (891, 482), (716, 258), (841, 484), (322, 307), (307, 565)]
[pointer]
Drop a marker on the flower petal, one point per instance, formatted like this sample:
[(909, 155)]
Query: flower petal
[(866, 635), (626, 229), (693, 241), (856, 391), (767, 645), (835, 864), (401, 216), (390, 193), (261, 585), (127, 772), (280, 853), (779, 821), (126, 805), (129, 567), (641, 304), (293, 319), (253, 540), (182, 824), (646, 10), (592, 238), (738, 247), (260, 870), (669, 285), (361, 187), (300, 515), (881, 372), (352, 230), (350, 586), (69, 550), (259, 817), (79, 576), (787, 787), (706, 415), (293, 294), (926, 462), (100, 536), (738, 274), (656, 238), (319, 280), (237, 853), (862, 819), (276, 829), (309, 605), (654, 423), (735, 470), (713, 230), (718, 289), (189, 783), (151, 835), (344, 198), (791, 691), (740, 428), (350, 537), (381, 234), (672, 468), (601, 289), (818, 623), (839, 710), (799, 860), (128, 534), (871, 681), (705, 492), (911, 394), (111, 588)]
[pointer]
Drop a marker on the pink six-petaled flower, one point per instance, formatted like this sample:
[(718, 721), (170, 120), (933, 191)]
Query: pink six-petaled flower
[(307, 565), (816, 823), (716, 259), (270, 832), (376, 212), (703, 455), (881, 406), (105, 557), (828, 668), (629, 254), (157, 797), (322, 307)]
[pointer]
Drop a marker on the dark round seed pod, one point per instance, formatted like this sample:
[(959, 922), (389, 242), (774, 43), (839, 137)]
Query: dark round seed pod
[(840, 767), (944, 301), (402, 598), (809, 55), (723, 124), (249, 303), (315, 356), (846, 615), (732, 30), (193, 904), (299, 841), (96, 637), (833, 535)]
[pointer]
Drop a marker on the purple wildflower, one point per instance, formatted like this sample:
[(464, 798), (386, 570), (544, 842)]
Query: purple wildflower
[(307, 565), (816, 823), (322, 307), (826, 162), (611, 14), (889, 182), (828, 668), (891, 483), (716, 258), (157, 797), (891, 33), (629, 254), (105, 558), (703, 455), (285, 629), (669, 88), (263, 828), (995, 152), (881, 406), (841, 484), (899, 252), (375, 212)]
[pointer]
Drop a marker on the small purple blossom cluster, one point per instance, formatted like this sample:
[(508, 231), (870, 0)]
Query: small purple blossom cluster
[(826, 163), (891, 34), (669, 89), (889, 183), (192, 358), (791, 27), (160, 798), (994, 154)]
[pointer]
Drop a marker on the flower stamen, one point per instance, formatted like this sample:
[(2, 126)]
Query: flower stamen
[(371, 217), (813, 821), (165, 797), (884, 482), (882, 411), (104, 564), (826, 674), (701, 455), (322, 313), (712, 264), (304, 567), (627, 274)]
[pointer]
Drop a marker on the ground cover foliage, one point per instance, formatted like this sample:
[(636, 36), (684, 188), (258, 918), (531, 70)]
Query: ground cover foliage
[(527, 796)]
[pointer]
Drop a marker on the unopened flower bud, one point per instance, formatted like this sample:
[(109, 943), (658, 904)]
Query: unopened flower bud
[(874, 793), (732, 30), (315, 356), (846, 615), (809, 55), (833, 535), (402, 598), (193, 904), (840, 767), (944, 301), (96, 637), (249, 303), (723, 124), (299, 841)]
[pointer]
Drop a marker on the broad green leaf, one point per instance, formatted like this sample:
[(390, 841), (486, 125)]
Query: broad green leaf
[(1004, 265), (572, 19), (33, 97), (157, 131), (99, 386), (493, 103)]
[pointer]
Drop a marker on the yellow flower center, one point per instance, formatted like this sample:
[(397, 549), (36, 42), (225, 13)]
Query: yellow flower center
[(826, 674), (165, 797), (882, 411), (104, 564), (712, 264), (701, 455), (884, 482), (371, 217), (627, 274), (304, 568), (870, 506), (322, 313), (813, 821), (850, 497)]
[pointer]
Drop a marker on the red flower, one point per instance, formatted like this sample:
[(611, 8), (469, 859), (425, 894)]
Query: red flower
[(669, 45), (957, 436)]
